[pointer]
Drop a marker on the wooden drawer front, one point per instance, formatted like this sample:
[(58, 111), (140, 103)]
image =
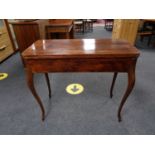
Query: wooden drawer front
[(3, 30), (5, 52), (2, 33), (4, 39), (5, 46)]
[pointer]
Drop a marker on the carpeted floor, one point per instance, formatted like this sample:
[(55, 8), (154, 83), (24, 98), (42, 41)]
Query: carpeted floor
[(91, 112)]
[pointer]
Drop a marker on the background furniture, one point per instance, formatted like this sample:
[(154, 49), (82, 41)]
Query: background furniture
[(125, 29), (104, 55), (108, 24), (147, 29), (79, 25), (26, 32), (6, 46), (60, 29), (83, 25), (88, 25)]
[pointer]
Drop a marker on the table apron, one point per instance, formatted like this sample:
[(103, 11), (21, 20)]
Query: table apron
[(80, 65)]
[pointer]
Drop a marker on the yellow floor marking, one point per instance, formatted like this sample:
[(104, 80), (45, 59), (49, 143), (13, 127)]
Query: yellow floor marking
[(74, 88), (3, 76)]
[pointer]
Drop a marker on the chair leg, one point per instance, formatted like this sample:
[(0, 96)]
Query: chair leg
[(149, 40), (92, 27), (141, 38)]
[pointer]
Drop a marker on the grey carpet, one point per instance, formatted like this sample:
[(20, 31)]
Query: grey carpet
[(91, 112)]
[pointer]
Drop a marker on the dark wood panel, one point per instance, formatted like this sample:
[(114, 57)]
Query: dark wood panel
[(26, 34)]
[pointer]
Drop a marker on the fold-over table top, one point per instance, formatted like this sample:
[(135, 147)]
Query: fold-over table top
[(80, 48)]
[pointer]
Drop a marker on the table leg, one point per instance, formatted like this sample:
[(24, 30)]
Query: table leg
[(67, 35), (48, 84), (113, 83), (84, 28), (131, 82), (30, 83), (72, 33)]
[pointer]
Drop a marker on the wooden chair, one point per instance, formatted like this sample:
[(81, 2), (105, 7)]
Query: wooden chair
[(147, 30), (79, 25), (88, 25), (108, 24)]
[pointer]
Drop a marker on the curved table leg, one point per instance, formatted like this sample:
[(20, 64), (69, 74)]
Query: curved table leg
[(131, 82), (30, 83), (48, 84), (67, 35), (113, 83)]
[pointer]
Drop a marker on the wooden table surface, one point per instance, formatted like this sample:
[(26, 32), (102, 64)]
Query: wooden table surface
[(67, 48), (81, 55)]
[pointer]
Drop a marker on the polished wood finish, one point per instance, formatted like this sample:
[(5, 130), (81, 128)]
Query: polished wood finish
[(60, 29), (81, 55)]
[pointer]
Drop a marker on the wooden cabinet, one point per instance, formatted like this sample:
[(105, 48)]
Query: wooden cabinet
[(125, 29), (26, 33), (6, 48)]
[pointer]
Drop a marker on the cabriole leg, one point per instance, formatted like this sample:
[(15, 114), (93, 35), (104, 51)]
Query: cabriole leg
[(131, 82), (30, 83)]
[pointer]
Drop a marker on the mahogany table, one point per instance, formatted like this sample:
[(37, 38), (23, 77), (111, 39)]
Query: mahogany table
[(80, 55)]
